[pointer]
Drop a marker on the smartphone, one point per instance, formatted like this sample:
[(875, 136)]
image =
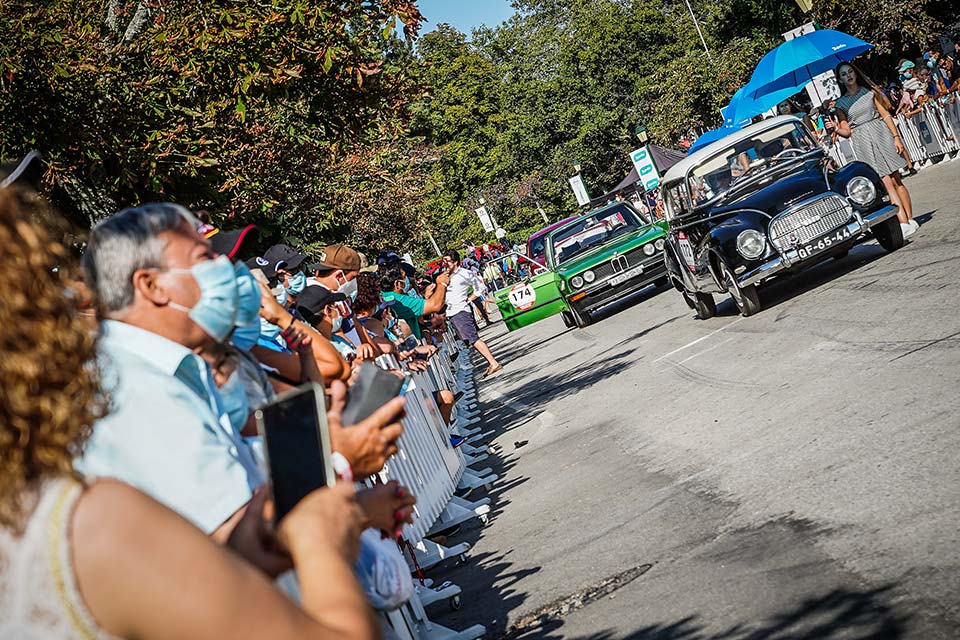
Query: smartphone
[(294, 430), (374, 388)]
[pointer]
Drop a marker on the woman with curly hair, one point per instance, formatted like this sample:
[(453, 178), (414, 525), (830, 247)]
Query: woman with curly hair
[(103, 560)]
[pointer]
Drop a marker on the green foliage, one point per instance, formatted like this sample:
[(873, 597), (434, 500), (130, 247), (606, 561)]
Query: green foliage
[(242, 108)]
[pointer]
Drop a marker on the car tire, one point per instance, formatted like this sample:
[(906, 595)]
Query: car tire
[(746, 298), (581, 319), (889, 234), (567, 319), (702, 303)]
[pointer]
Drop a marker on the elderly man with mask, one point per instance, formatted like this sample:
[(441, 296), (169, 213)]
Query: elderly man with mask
[(164, 295)]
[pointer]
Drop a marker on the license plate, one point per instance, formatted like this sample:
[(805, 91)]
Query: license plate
[(825, 242), (626, 275)]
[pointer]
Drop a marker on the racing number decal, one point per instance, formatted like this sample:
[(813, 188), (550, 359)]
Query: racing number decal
[(687, 250), (522, 296)]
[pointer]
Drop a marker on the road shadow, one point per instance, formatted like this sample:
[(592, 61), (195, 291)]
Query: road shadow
[(840, 613)]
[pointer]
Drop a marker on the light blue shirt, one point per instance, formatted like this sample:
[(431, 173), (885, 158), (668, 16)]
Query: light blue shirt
[(166, 433)]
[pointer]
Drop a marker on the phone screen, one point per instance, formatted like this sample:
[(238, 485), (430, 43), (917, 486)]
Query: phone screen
[(297, 445)]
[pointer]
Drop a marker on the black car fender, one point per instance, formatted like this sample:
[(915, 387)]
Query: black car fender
[(676, 269), (840, 179), (722, 242)]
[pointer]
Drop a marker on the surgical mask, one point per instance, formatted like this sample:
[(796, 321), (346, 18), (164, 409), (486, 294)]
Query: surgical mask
[(349, 289), (907, 74), (246, 337), (248, 290), (268, 331), (335, 324), (216, 310), (392, 323), (234, 402), (296, 283), (281, 296)]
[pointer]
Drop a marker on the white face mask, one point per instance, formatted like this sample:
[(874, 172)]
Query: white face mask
[(349, 289), (335, 324)]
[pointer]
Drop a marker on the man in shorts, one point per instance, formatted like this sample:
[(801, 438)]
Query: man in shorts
[(461, 289)]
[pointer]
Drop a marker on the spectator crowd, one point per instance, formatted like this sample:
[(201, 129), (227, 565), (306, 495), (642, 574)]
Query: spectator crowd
[(135, 502)]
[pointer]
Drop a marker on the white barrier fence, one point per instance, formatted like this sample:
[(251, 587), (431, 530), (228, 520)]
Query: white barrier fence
[(433, 469), (929, 136)]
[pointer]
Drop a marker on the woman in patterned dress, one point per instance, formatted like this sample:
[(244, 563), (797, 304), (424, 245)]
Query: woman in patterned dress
[(864, 117)]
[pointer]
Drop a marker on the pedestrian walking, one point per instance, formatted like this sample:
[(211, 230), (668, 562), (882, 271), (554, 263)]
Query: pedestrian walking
[(877, 142), (459, 312)]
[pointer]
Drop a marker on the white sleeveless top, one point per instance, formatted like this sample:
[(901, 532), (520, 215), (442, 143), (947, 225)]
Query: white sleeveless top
[(39, 598)]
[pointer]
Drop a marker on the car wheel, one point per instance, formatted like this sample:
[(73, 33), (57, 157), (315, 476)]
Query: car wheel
[(746, 298), (580, 318), (702, 303), (567, 319), (889, 234)]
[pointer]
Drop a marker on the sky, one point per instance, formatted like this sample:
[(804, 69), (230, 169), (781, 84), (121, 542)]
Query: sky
[(464, 14)]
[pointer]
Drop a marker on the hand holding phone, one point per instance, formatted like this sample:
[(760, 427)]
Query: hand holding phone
[(368, 444), (295, 432)]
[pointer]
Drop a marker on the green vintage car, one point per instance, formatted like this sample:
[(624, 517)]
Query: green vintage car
[(592, 261)]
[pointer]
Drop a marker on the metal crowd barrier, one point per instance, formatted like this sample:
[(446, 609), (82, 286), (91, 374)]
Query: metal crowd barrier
[(429, 465)]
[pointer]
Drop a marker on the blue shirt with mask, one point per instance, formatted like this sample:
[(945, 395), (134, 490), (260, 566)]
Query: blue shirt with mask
[(167, 432)]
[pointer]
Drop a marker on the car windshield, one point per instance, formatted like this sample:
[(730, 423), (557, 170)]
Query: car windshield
[(537, 249), (591, 231), (508, 270), (747, 159)]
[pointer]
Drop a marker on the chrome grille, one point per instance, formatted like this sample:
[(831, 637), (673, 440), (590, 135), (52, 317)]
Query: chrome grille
[(810, 220), (624, 261)]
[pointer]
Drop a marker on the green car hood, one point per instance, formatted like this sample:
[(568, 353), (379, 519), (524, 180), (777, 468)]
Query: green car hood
[(604, 252)]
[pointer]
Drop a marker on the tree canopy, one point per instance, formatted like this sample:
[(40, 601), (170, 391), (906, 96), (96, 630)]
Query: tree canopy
[(329, 121)]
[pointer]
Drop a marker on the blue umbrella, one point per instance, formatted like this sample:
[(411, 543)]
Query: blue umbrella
[(795, 62), (742, 108), (711, 136)]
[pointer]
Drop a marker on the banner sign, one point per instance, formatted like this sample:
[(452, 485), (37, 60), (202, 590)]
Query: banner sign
[(580, 191), (646, 169), (485, 219)]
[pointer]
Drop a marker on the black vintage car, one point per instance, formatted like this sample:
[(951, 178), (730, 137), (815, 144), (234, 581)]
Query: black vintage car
[(762, 202)]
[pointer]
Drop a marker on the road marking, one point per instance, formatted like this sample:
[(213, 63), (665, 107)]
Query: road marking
[(700, 353), (690, 344)]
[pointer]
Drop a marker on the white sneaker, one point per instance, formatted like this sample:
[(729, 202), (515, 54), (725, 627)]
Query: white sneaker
[(913, 222), (907, 229)]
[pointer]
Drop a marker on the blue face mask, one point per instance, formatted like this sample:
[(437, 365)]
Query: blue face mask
[(216, 310), (248, 290), (234, 402), (246, 337), (281, 297), (268, 332), (296, 283)]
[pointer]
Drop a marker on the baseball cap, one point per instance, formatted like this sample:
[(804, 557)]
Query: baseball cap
[(283, 256), (338, 256), (314, 299), (906, 64), (228, 243)]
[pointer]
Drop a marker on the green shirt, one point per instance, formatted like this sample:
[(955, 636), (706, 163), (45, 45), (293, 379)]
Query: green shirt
[(407, 308)]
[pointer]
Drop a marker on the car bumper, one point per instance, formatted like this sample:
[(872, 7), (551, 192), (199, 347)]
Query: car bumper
[(603, 294), (791, 258)]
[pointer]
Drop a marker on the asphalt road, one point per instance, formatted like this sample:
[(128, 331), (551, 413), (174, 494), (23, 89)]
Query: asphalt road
[(794, 474)]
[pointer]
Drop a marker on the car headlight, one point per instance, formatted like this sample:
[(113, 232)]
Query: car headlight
[(576, 281), (659, 244), (861, 191), (751, 244), (589, 276), (648, 249)]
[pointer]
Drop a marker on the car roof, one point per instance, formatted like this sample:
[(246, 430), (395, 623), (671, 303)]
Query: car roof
[(679, 170), (549, 228)]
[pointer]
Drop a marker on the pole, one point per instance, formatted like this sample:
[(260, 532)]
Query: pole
[(697, 25), (434, 243), (543, 214)]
